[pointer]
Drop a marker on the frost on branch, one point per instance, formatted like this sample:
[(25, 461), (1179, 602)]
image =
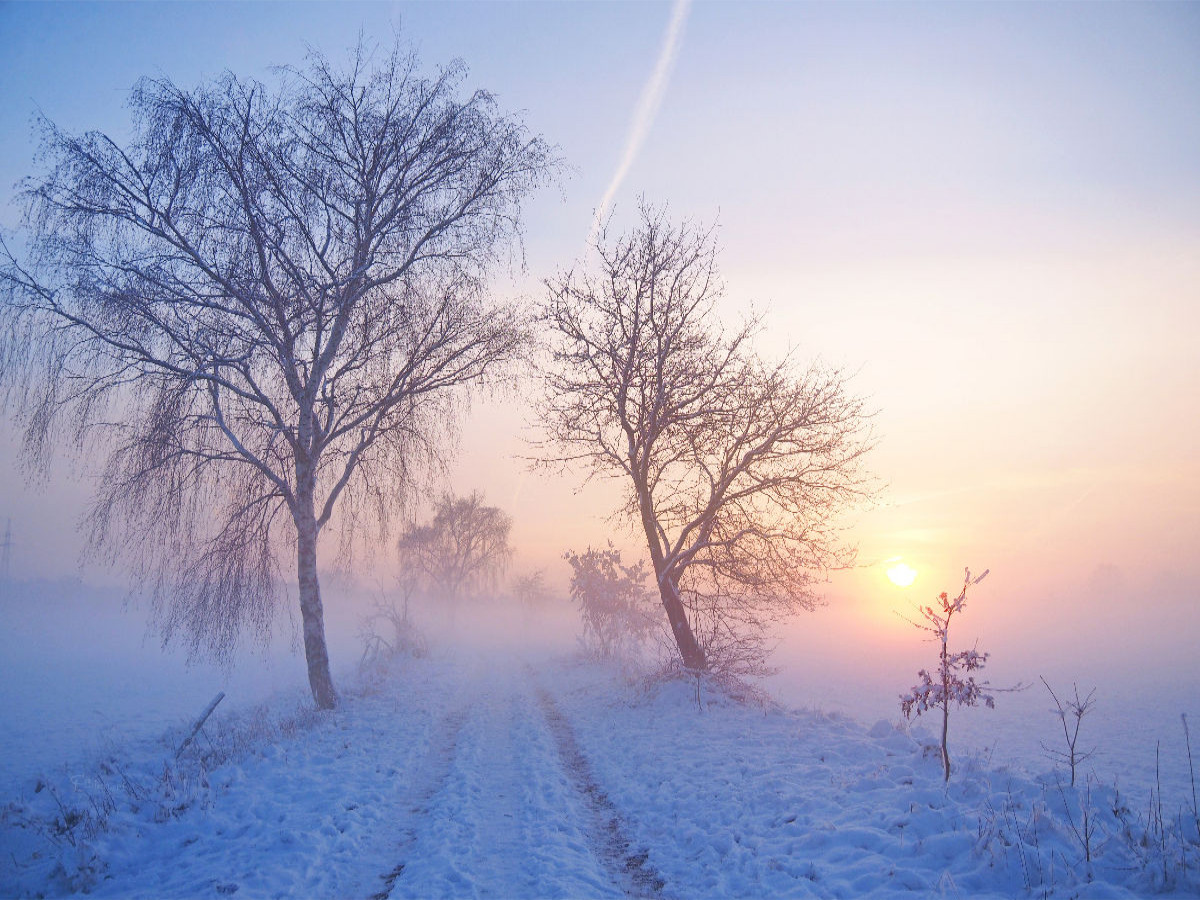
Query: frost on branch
[(951, 683), (928, 694), (734, 468)]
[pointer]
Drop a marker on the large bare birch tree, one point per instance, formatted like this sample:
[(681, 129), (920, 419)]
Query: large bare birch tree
[(259, 312), (734, 470)]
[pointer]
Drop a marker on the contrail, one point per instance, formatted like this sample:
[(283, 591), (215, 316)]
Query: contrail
[(647, 107)]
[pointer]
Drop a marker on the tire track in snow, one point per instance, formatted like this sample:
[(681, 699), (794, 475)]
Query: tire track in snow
[(437, 765), (507, 815), (496, 776), (507, 820), (628, 867)]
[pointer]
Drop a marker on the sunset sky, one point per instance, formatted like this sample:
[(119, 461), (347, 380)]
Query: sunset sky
[(989, 212)]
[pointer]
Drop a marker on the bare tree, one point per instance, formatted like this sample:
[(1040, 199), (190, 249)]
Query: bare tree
[(462, 551), (388, 631), (259, 312), (530, 589), (733, 468)]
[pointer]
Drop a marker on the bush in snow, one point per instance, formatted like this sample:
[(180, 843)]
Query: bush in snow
[(388, 632), (951, 683), (618, 612)]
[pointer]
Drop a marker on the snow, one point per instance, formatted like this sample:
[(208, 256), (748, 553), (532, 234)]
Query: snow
[(505, 767), (488, 772), (1137, 711), (78, 673)]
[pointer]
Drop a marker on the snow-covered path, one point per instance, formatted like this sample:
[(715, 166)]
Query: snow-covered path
[(451, 778), (496, 813)]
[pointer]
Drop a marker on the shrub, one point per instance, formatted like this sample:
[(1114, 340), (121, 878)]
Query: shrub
[(616, 608)]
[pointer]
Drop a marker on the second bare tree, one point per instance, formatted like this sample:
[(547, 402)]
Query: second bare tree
[(733, 468)]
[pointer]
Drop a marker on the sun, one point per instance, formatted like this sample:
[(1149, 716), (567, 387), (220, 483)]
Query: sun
[(902, 574)]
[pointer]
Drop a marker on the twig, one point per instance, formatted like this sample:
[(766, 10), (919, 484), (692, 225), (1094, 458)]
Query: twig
[(1192, 772), (1162, 829), (1078, 709)]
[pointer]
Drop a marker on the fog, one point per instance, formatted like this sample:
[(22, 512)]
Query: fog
[(82, 672), (1133, 643)]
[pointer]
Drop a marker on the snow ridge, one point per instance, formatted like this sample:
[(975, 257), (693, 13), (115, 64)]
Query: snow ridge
[(497, 812)]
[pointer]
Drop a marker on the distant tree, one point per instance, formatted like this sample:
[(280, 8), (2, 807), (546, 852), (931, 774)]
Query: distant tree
[(530, 589), (734, 469), (952, 684), (613, 601), (462, 551), (258, 312)]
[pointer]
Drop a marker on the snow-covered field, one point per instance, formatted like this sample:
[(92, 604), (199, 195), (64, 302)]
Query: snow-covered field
[(1135, 720), (493, 769), (79, 674)]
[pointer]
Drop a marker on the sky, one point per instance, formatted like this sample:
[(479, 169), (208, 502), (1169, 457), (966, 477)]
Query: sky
[(989, 213)]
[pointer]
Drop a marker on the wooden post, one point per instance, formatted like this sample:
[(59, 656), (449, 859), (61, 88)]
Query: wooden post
[(200, 722)]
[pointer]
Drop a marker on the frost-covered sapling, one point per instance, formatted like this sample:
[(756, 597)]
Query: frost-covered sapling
[(952, 683), (1071, 715)]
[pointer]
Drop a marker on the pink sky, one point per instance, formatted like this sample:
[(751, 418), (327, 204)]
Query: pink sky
[(990, 212)]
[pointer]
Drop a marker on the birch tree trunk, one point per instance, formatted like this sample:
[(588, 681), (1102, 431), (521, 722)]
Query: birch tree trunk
[(312, 613)]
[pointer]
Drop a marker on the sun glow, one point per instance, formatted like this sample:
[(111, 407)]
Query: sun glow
[(902, 574)]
